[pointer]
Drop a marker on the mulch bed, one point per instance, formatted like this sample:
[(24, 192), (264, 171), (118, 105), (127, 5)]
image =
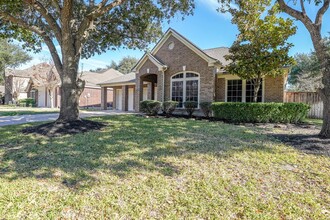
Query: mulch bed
[(303, 137), (55, 129)]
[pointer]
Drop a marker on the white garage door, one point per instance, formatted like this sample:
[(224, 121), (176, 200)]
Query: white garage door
[(131, 99), (119, 95)]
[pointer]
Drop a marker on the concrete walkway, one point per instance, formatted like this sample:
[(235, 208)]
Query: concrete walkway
[(22, 119)]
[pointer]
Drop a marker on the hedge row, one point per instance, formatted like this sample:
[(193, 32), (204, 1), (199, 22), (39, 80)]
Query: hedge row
[(28, 102), (260, 112)]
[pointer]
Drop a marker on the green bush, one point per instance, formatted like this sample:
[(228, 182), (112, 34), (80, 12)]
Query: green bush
[(169, 107), (27, 102), (206, 108), (260, 112), (190, 107), (150, 107)]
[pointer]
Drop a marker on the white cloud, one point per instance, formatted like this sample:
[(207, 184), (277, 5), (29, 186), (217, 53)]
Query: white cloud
[(213, 5)]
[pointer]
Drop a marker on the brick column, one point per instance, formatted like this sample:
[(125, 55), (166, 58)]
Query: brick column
[(138, 93), (125, 98), (104, 98), (160, 87)]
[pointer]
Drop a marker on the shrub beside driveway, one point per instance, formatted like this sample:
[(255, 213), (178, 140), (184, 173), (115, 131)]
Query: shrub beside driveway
[(148, 168)]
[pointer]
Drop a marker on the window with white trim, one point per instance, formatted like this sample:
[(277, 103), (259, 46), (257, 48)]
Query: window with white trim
[(242, 91), (234, 90), (185, 87)]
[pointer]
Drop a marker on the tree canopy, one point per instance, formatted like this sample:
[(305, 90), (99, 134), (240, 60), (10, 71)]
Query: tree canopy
[(82, 28), (125, 65), (11, 55)]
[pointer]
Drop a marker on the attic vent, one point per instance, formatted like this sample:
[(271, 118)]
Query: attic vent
[(171, 46)]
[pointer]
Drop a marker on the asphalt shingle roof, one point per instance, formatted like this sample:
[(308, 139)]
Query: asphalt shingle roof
[(218, 53), (127, 78), (93, 79)]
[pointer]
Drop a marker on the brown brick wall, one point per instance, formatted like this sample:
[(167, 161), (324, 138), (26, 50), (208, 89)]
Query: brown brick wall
[(95, 97), (274, 88), (220, 90)]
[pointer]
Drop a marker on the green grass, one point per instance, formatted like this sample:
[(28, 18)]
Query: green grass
[(146, 168), (314, 121), (14, 111)]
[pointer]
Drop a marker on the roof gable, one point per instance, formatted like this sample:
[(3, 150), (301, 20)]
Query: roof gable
[(154, 60), (170, 32)]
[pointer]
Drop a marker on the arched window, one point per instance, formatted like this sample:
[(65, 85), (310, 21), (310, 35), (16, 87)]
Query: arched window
[(185, 87)]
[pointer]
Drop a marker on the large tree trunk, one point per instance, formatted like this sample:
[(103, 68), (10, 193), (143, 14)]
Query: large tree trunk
[(325, 95), (324, 59), (71, 90)]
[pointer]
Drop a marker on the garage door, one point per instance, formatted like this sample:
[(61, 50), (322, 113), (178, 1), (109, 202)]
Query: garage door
[(119, 95), (131, 99)]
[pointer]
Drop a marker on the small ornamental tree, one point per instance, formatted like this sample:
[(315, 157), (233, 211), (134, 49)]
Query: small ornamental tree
[(260, 48), (82, 29)]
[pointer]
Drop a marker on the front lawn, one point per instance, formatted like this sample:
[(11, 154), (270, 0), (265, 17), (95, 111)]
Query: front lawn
[(147, 168)]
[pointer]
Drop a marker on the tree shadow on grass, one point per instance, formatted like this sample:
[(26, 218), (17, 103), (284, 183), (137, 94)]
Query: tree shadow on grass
[(307, 143), (129, 145)]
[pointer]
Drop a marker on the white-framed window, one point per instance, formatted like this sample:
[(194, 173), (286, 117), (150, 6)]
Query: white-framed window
[(185, 87), (238, 90)]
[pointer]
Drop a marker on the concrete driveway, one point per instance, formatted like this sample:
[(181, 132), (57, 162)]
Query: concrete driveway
[(22, 119)]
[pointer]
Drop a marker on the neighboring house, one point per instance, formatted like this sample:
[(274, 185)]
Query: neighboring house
[(15, 86), (91, 96), (176, 69), (43, 85)]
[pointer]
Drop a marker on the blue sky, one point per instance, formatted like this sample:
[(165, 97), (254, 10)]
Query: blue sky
[(207, 28)]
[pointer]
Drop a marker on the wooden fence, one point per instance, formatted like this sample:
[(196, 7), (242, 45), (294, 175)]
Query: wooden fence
[(311, 98)]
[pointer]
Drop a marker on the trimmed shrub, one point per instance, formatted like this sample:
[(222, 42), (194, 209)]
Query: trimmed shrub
[(27, 102), (260, 112), (190, 107), (150, 107), (169, 107), (206, 108)]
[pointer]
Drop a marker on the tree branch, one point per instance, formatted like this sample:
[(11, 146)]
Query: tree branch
[(321, 12), (87, 23), (302, 4), (48, 17), (21, 23), (296, 14), (38, 31)]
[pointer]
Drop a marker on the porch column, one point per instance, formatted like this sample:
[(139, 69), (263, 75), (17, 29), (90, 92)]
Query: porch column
[(104, 98), (149, 90), (125, 98), (114, 102), (160, 87), (138, 93)]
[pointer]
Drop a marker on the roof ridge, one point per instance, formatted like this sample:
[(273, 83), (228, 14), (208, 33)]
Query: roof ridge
[(212, 48)]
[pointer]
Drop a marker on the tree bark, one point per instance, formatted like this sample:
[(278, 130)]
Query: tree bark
[(256, 88), (325, 96), (71, 90)]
